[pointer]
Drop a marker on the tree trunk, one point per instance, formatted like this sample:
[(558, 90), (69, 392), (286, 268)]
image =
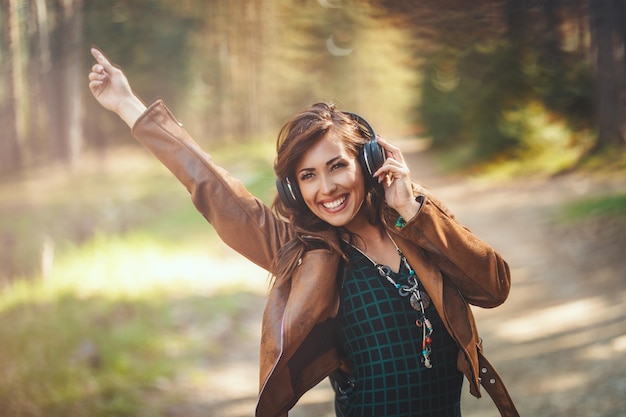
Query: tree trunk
[(73, 77), (553, 38), (66, 111), (13, 120), (516, 16), (41, 104), (603, 27), (621, 27)]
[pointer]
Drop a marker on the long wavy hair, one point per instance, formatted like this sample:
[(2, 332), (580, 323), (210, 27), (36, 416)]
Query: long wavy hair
[(299, 134)]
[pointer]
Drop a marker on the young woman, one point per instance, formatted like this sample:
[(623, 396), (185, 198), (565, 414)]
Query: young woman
[(373, 276)]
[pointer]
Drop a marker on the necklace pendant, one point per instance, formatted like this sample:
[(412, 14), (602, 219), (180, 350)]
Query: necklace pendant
[(419, 299), (427, 362), (425, 299), (415, 302)]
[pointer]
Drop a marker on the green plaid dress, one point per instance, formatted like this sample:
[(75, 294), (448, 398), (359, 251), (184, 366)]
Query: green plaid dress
[(377, 332)]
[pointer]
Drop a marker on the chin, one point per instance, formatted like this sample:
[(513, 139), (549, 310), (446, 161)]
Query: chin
[(342, 221)]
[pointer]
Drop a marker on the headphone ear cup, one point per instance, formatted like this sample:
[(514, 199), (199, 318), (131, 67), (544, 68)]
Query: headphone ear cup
[(372, 157), (289, 194)]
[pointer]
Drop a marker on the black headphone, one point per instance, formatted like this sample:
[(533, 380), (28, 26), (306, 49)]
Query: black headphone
[(371, 157)]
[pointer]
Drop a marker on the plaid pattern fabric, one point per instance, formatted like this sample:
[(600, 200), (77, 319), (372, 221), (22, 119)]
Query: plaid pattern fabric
[(377, 331)]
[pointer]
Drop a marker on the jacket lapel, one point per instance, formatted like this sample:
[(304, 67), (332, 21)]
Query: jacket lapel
[(293, 310)]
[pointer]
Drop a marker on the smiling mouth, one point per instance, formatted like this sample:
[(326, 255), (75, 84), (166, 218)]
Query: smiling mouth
[(331, 205)]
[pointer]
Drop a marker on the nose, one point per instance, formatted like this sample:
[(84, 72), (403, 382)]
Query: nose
[(327, 185)]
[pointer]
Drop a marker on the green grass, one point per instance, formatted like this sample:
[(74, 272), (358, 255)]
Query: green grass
[(606, 206), (93, 355), (138, 293)]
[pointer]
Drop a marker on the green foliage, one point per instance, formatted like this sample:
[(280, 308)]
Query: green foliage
[(231, 69), (605, 206), (146, 37), (612, 158), (149, 39), (503, 99)]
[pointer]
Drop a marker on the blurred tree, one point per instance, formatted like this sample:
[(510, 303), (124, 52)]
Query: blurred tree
[(346, 52), (320, 49), (608, 34), (472, 71), (68, 142), (259, 61), (240, 67), (226, 71), (487, 59), (44, 96), (150, 40), (42, 106), (12, 107)]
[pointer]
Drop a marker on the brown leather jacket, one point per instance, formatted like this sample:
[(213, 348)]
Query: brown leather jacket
[(455, 267)]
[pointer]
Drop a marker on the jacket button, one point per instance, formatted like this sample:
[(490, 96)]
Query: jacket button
[(484, 370)]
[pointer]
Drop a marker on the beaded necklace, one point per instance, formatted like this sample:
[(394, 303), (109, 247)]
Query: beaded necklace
[(418, 298)]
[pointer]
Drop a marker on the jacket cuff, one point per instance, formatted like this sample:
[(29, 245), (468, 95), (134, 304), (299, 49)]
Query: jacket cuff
[(155, 108), (401, 222)]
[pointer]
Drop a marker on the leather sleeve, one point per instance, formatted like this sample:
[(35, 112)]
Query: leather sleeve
[(474, 267), (242, 221)]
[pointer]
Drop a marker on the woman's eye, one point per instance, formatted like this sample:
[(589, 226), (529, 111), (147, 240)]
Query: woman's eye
[(306, 176), (338, 165)]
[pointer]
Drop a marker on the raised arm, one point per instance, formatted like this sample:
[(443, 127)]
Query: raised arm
[(242, 220)]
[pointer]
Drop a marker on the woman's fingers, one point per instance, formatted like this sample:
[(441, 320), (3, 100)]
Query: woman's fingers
[(394, 160), (98, 69), (390, 149), (96, 75), (392, 170), (97, 78)]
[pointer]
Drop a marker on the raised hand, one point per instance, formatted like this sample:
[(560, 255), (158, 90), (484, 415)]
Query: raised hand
[(110, 87), (395, 176)]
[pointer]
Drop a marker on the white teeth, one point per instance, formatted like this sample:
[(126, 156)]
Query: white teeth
[(334, 204)]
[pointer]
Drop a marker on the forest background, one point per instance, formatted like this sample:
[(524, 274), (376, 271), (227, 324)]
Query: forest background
[(99, 250), (492, 77)]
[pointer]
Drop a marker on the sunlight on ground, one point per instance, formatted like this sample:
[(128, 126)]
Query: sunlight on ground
[(232, 387), (127, 269), (607, 351), (562, 382), (555, 320)]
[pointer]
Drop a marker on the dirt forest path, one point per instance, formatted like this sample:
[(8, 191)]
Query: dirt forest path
[(559, 341)]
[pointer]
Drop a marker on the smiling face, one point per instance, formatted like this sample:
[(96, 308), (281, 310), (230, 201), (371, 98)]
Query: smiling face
[(331, 182)]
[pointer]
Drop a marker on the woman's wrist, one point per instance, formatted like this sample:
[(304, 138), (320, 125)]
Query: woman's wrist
[(408, 212), (130, 109)]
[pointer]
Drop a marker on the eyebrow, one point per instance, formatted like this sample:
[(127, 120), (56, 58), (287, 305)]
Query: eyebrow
[(329, 162)]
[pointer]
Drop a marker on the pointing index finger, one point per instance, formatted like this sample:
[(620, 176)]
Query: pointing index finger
[(102, 60)]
